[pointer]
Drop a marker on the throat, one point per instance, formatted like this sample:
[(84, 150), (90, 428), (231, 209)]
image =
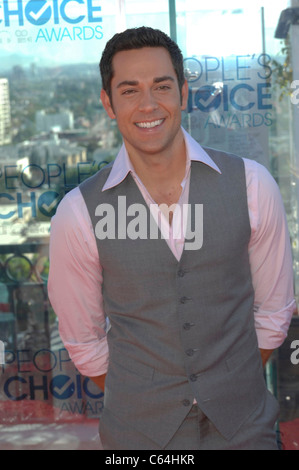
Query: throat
[(167, 200)]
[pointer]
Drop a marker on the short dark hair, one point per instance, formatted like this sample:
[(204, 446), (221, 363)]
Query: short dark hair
[(137, 38)]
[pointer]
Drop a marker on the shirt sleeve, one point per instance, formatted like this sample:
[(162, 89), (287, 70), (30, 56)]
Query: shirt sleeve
[(74, 286), (270, 257)]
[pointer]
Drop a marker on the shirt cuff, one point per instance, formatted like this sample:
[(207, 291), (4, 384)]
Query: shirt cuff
[(272, 327), (91, 359)]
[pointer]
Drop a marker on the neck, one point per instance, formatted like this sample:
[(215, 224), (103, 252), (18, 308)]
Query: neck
[(161, 167), (162, 175)]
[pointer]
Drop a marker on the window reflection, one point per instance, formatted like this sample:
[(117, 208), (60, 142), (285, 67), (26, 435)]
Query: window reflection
[(54, 133)]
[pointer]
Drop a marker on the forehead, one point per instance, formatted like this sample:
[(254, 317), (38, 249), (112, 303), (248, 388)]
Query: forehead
[(137, 64)]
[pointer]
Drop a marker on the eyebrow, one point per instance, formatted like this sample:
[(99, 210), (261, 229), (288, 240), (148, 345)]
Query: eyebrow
[(135, 82), (127, 83), (165, 78)]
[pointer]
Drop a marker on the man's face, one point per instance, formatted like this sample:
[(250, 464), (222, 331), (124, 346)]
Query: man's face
[(146, 100)]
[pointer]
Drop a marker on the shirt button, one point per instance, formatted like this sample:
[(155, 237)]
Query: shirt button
[(186, 402), (190, 352), (193, 378)]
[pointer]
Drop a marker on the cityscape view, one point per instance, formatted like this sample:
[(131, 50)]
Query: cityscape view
[(55, 133)]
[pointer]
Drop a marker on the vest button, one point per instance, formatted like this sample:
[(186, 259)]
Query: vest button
[(187, 326), (183, 300), (193, 378), (190, 352), (186, 402), (181, 273)]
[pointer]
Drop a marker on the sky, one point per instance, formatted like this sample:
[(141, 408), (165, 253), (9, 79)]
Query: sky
[(217, 27)]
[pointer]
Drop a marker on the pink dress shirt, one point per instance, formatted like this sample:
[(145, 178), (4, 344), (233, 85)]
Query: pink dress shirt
[(75, 277)]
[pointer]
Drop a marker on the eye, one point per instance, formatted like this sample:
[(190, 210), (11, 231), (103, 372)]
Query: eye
[(163, 87), (131, 91)]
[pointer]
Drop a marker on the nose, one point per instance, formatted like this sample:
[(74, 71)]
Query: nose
[(147, 102)]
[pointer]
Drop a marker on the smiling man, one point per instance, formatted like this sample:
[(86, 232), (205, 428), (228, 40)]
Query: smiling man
[(146, 100), (147, 109), (176, 337)]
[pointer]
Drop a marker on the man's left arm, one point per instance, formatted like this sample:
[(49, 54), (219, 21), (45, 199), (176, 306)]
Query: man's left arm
[(266, 354), (270, 260)]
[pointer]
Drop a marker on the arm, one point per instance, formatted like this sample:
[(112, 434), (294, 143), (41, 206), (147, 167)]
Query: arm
[(75, 286), (99, 381), (265, 354), (270, 259)]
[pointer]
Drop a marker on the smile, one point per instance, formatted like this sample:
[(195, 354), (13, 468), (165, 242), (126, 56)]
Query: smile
[(149, 125)]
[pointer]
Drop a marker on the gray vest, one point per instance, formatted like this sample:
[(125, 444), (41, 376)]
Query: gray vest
[(182, 330)]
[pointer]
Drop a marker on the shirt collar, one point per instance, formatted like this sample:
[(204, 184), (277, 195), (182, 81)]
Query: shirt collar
[(122, 164)]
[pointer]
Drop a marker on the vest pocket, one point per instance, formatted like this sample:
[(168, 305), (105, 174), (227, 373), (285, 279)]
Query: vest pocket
[(241, 357), (118, 360)]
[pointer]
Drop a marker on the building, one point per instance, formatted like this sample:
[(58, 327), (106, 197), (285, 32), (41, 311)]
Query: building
[(60, 121), (241, 62), (5, 117)]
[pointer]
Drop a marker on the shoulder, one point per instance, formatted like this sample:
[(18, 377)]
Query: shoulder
[(69, 205), (97, 180), (265, 203), (225, 160), (72, 217), (260, 180)]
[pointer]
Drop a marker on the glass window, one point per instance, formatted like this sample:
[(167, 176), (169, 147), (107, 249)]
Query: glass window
[(243, 98), (54, 133)]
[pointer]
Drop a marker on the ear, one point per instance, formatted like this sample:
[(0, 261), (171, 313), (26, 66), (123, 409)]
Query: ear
[(107, 104), (184, 94)]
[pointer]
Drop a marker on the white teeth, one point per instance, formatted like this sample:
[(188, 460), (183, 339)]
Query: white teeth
[(149, 125)]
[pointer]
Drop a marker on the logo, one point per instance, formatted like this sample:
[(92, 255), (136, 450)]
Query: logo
[(295, 94), (62, 387), (2, 353), (40, 12), (229, 92), (48, 202), (133, 222), (295, 354), (51, 20)]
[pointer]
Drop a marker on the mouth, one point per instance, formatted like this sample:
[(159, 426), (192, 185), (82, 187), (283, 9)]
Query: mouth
[(149, 125)]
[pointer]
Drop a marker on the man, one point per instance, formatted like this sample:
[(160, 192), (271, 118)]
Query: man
[(190, 322)]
